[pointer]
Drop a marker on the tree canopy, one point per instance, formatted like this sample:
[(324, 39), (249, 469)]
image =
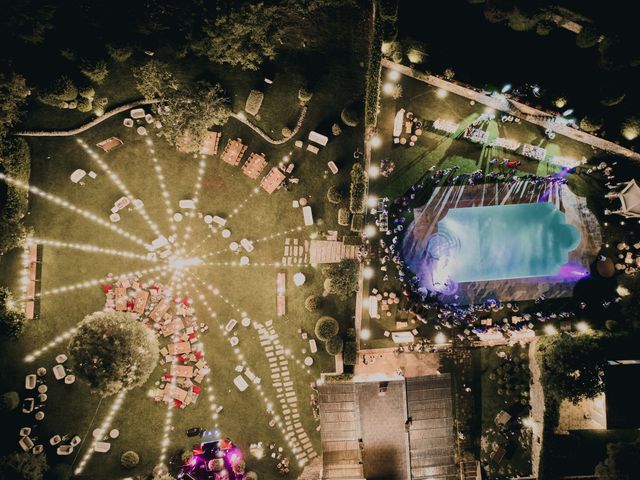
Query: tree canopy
[(154, 80), (343, 276), (113, 352), (573, 366), (622, 462), (11, 319), (13, 94), (23, 466), (244, 36), (190, 111)]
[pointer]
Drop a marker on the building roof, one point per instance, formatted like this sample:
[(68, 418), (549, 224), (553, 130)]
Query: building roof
[(392, 430), (622, 404)]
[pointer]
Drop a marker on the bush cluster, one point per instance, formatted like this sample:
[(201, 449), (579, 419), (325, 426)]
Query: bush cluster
[(357, 189)]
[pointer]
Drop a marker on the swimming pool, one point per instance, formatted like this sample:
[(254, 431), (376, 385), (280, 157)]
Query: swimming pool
[(501, 242)]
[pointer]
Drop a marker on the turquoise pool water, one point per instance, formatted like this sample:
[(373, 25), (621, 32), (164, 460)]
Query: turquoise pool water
[(501, 242)]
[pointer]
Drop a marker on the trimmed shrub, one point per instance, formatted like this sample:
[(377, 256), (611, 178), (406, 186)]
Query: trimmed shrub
[(350, 353), (357, 222), (351, 333), (304, 95), (590, 124), (87, 92), (611, 325), (94, 70), (343, 277), (343, 217), (612, 99), (449, 73), (560, 102), (254, 102), (349, 117), (129, 459), (119, 53), (588, 36), (334, 195), (334, 345), (85, 104), (286, 132), (545, 27), (62, 90), (313, 303), (252, 476), (357, 189), (336, 129), (630, 128), (9, 401), (326, 327)]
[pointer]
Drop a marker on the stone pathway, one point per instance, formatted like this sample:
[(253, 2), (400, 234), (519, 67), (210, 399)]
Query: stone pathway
[(537, 409), (285, 393)]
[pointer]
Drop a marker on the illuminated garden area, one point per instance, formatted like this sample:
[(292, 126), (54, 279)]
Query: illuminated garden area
[(317, 240)]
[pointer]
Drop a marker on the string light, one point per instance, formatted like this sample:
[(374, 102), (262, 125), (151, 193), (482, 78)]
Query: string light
[(92, 248), (65, 204), (104, 426), (123, 188), (163, 186)]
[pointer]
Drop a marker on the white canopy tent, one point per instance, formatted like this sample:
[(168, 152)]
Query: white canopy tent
[(629, 198)]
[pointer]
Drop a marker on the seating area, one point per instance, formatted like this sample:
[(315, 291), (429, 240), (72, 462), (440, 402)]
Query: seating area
[(254, 165), (233, 152), (181, 356)]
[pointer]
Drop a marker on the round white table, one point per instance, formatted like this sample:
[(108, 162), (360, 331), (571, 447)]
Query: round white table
[(308, 361), (226, 233), (246, 321), (40, 416), (97, 434), (234, 246), (115, 433), (114, 217), (41, 371), (42, 389), (69, 379), (244, 260), (177, 217), (141, 130), (208, 219)]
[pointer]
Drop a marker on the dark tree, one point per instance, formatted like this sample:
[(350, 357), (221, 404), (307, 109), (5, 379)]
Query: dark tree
[(622, 462), (573, 367), (343, 277)]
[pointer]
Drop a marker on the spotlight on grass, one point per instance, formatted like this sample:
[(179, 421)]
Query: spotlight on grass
[(376, 141), (370, 231), (387, 88), (365, 334), (441, 93), (367, 273), (393, 75), (374, 171)]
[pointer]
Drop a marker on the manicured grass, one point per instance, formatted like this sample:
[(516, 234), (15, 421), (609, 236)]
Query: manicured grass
[(71, 409), (438, 151)]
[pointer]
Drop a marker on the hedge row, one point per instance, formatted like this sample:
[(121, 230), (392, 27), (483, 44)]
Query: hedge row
[(357, 189), (15, 161), (372, 94)]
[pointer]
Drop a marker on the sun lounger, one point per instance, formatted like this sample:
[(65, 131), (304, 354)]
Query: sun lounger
[(25, 443), (101, 447), (58, 372), (30, 382)]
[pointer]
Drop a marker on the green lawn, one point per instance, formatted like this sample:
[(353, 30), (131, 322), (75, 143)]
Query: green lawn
[(435, 150), (72, 409)]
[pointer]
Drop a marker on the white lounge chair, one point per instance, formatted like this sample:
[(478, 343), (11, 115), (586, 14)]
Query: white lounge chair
[(58, 372), (64, 450), (101, 447)]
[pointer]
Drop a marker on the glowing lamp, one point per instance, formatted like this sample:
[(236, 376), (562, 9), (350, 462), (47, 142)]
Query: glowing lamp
[(582, 326), (441, 93), (550, 330), (393, 75), (367, 273), (374, 171), (365, 334), (376, 141), (440, 338)]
